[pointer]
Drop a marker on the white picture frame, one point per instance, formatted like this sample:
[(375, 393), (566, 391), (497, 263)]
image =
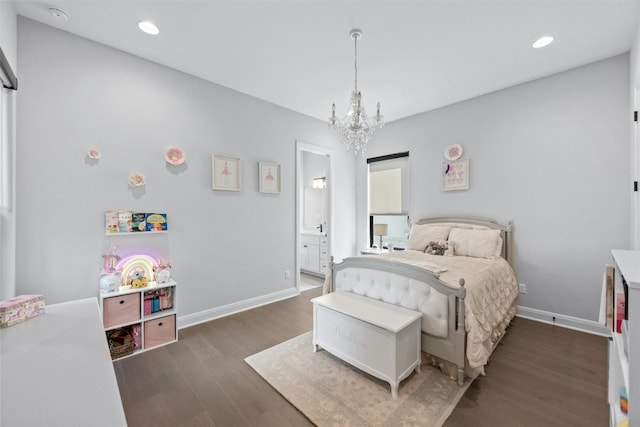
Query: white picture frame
[(455, 175), (225, 173), (269, 180)]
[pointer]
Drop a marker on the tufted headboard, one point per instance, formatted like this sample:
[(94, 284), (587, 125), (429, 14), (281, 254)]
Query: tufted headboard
[(404, 285)]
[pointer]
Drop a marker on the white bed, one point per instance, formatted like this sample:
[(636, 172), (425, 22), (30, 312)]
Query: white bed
[(467, 298)]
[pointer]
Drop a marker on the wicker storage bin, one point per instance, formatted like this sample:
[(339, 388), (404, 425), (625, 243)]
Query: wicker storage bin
[(120, 343)]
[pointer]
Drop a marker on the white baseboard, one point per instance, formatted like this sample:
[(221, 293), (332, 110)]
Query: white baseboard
[(563, 320), (218, 312)]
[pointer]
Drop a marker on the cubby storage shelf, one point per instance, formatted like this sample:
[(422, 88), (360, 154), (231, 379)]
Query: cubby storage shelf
[(624, 369), (125, 309)]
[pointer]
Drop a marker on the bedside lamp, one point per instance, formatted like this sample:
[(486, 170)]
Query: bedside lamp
[(380, 230)]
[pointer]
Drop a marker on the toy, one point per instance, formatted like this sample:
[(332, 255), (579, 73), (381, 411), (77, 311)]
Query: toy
[(451, 249), (162, 271), (110, 277), (137, 278), (436, 248), (110, 260), (110, 281)]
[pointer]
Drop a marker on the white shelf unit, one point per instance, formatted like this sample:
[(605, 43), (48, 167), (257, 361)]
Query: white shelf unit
[(624, 366), (136, 233), (126, 309)]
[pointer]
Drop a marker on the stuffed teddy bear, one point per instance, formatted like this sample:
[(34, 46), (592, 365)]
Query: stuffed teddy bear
[(436, 248)]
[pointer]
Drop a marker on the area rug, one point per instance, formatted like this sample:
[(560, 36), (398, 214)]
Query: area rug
[(330, 392)]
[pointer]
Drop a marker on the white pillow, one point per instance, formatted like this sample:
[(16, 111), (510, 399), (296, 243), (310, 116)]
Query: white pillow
[(475, 243), (499, 247), (422, 234)]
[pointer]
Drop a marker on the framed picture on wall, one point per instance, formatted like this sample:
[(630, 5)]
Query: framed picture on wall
[(455, 175), (226, 174), (269, 177)]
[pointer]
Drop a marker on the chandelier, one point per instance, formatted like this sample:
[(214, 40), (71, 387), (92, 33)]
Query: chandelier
[(356, 128)]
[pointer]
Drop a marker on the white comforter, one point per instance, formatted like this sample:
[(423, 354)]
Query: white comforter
[(491, 293)]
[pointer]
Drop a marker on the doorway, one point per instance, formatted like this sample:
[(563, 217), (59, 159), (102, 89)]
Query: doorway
[(314, 213)]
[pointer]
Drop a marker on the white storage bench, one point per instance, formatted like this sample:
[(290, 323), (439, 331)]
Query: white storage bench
[(379, 338)]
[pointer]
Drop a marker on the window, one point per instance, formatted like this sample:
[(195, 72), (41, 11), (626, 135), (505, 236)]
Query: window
[(389, 200)]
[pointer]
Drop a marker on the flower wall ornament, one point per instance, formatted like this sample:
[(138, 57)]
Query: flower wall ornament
[(174, 156), (136, 180), (93, 153), (453, 152)]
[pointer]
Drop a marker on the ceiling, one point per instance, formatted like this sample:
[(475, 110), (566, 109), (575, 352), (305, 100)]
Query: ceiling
[(414, 56)]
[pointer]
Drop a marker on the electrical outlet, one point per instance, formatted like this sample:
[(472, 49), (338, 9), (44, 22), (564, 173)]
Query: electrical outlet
[(287, 274), (523, 288)]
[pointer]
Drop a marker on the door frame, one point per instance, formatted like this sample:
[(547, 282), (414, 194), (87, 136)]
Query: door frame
[(302, 147), (635, 168)]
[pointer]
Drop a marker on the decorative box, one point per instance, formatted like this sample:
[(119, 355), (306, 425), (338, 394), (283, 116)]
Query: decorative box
[(20, 308)]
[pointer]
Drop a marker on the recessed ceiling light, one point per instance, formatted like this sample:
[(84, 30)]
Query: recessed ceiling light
[(148, 27), (542, 42), (59, 13)]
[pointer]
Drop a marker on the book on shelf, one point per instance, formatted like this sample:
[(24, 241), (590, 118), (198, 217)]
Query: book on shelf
[(111, 221), (136, 334), (156, 222), (138, 221), (619, 312), (124, 222), (609, 295)]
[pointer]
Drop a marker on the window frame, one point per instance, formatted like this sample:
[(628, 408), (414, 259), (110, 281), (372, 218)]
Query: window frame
[(404, 211)]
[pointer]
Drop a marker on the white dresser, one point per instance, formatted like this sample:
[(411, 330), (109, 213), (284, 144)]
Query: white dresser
[(56, 370)]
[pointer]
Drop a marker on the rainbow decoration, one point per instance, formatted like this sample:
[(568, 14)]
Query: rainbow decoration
[(133, 263)]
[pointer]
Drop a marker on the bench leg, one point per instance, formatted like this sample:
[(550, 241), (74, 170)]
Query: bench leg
[(394, 389), (460, 377)]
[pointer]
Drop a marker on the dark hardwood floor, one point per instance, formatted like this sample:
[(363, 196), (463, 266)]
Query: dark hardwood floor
[(540, 375)]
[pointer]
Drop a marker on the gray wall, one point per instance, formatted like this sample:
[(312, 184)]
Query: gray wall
[(551, 156), (8, 30), (225, 247)]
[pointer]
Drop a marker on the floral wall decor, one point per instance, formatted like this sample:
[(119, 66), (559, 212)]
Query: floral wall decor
[(136, 180), (174, 156)]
